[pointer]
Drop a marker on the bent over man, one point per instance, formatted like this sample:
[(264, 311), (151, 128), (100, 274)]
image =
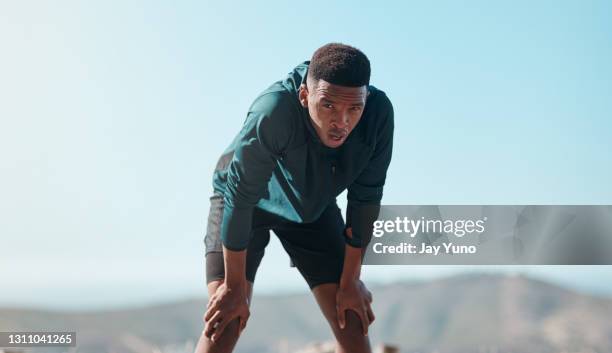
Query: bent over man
[(307, 138)]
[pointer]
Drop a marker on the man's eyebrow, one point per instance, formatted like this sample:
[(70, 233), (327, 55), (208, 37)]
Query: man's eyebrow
[(355, 104)]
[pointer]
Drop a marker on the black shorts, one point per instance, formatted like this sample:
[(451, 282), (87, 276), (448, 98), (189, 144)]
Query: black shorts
[(316, 249)]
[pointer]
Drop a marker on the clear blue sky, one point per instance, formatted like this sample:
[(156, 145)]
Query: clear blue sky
[(113, 114)]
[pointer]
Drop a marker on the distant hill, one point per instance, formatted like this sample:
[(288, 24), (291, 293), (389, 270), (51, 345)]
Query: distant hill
[(467, 313)]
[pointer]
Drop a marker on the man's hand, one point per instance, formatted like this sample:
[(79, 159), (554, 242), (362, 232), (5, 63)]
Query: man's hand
[(223, 307), (353, 295)]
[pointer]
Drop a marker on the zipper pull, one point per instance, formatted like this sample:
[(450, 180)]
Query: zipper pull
[(333, 169)]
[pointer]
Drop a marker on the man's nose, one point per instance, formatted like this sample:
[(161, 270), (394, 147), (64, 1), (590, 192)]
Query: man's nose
[(341, 121)]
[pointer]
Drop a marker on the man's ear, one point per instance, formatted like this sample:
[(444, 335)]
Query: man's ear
[(303, 95)]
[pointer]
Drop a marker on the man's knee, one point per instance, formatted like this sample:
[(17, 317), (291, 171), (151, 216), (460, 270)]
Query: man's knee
[(228, 338), (224, 343), (351, 337), (230, 333)]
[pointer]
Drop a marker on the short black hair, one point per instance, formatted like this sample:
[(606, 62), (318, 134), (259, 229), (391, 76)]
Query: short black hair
[(340, 64)]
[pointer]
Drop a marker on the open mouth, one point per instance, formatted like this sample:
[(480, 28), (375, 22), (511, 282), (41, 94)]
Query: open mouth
[(336, 136)]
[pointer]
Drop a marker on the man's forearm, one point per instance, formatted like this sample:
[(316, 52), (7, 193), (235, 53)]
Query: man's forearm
[(352, 265), (235, 265)]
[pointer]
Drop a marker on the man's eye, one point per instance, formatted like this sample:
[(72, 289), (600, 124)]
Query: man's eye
[(356, 109), (328, 105)]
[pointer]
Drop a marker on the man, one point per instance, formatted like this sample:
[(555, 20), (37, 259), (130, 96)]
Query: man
[(320, 131)]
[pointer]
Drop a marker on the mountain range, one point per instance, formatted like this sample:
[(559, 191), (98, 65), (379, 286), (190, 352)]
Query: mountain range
[(475, 313)]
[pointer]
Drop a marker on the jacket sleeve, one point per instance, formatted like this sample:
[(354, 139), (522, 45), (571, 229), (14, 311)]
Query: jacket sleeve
[(365, 193), (264, 137)]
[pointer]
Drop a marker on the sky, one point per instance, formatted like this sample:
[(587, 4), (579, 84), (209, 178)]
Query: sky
[(113, 114)]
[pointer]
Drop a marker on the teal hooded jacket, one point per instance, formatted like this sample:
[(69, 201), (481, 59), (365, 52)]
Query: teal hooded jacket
[(278, 164)]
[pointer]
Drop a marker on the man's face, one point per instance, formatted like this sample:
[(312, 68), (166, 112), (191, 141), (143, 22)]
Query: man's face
[(334, 110)]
